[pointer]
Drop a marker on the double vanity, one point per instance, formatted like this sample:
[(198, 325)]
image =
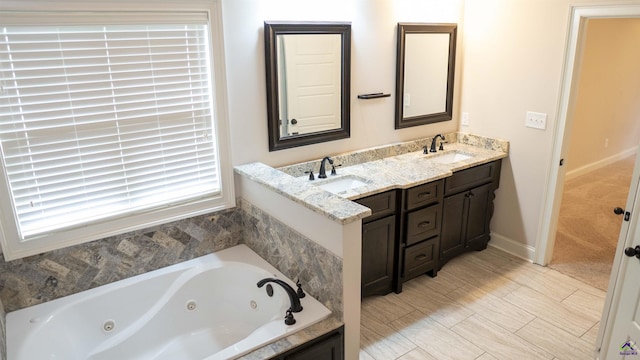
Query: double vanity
[(389, 214), (418, 208)]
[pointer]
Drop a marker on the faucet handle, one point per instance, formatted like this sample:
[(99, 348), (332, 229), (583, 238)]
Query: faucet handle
[(288, 318), (425, 149), (310, 172), (442, 145), (300, 292)]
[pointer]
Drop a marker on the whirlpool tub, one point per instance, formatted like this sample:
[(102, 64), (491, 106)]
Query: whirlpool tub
[(205, 308)]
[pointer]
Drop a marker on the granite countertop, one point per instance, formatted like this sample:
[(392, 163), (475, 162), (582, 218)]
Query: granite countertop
[(401, 171)]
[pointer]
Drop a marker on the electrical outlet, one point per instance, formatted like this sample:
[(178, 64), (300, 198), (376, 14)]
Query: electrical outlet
[(407, 99), (606, 143), (536, 120), (465, 119)]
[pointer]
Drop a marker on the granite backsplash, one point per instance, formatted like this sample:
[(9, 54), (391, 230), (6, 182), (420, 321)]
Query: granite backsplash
[(385, 151)]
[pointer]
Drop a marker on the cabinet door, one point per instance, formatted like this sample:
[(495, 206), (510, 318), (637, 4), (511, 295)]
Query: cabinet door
[(454, 219), (479, 216), (378, 252)]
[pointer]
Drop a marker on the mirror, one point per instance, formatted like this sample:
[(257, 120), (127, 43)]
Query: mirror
[(308, 68), (424, 73)]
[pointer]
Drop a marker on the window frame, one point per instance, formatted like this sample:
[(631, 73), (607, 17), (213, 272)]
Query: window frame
[(14, 248)]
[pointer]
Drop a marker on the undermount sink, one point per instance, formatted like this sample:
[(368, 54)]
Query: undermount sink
[(342, 184), (450, 158)]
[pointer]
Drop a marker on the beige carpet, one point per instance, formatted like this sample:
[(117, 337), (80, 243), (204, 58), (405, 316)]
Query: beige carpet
[(587, 227)]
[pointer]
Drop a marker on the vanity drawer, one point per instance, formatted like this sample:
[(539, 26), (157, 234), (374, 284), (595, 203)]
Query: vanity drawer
[(423, 224), (420, 258), (424, 194), (381, 205), (469, 178)]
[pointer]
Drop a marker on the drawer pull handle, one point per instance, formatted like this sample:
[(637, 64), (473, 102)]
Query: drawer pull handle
[(420, 257), (424, 224), (423, 194)]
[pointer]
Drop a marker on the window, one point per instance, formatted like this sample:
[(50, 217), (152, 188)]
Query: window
[(109, 122)]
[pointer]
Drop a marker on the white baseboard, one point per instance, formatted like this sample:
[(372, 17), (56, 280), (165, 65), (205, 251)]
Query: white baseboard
[(512, 247), (600, 163)]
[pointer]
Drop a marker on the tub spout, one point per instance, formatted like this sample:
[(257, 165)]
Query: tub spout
[(293, 297)]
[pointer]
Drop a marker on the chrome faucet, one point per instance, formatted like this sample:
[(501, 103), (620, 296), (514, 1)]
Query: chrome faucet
[(293, 296), (323, 173), (433, 142)]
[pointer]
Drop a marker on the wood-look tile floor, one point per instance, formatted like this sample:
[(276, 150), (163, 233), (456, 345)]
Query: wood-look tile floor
[(484, 305)]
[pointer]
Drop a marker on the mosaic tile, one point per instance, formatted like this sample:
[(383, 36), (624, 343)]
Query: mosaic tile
[(296, 256), (40, 278), (37, 279)]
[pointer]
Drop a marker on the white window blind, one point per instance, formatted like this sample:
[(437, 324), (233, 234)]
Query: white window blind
[(104, 121)]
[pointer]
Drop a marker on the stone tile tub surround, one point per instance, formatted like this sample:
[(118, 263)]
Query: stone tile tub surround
[(40, 278), (44, 277), (296, 256)]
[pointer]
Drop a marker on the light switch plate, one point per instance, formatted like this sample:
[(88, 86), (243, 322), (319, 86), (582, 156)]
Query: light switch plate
[(536, 120), (465, 119)]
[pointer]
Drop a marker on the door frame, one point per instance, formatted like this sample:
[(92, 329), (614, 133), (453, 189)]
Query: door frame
[(547, 228), (550, 210)]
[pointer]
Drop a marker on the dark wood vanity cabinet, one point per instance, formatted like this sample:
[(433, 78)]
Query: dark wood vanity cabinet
[(421, 218), (467, 210), (415, 231), (379, 245)]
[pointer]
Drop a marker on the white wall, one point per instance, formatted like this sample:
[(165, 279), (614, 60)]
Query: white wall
[(513, 65), (606, 123), (373, 67), (510, 61), (513, 61)]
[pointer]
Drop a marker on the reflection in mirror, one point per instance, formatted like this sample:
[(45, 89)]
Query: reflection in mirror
[(307, 67), (308, 83), (425, 71)]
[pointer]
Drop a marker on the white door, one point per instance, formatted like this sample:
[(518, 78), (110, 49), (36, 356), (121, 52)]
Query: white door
[(621, 321), (313, 82)]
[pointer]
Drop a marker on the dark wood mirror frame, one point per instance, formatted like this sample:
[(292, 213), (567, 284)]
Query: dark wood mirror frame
[(271, 30), (417, 28)]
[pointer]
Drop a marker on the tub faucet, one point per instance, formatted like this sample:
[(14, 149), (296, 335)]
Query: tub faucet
[(293, 296), (323, 173), (433, 142)]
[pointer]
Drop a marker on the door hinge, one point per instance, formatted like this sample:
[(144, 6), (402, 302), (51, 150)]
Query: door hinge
[(627, 216)]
